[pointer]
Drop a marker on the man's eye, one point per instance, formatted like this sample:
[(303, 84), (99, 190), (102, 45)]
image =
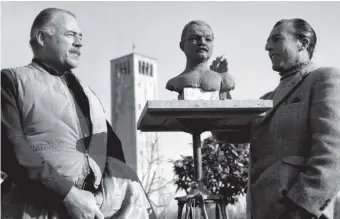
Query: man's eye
[(208, 40), (276, 39)]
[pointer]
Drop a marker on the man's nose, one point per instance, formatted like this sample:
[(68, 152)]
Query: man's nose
[(202, 40), (268, 46), (78, 42)]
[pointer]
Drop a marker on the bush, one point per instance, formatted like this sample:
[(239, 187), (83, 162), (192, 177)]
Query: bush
[(225, 169)]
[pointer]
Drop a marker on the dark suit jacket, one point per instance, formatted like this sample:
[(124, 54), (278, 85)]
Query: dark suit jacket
[(295, 147)]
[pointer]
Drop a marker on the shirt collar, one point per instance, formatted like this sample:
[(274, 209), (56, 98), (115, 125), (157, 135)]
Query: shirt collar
[(293, 69), (50, 70)]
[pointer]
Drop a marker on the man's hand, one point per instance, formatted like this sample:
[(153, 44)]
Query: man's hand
[(220, 64), (81, 204)]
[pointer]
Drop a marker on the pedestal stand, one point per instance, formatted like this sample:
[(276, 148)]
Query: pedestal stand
[(197, 200), (195, 117)]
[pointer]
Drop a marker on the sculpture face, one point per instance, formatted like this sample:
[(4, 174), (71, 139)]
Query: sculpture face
[(198, 43)]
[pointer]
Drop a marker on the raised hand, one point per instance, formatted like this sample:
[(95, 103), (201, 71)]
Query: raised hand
[(220, 64)]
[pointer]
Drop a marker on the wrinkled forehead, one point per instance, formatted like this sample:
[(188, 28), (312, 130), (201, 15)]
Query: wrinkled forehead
[(65, 22), (200, 29)]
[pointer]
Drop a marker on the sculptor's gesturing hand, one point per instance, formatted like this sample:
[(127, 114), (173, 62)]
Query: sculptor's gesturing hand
[(220, 64)]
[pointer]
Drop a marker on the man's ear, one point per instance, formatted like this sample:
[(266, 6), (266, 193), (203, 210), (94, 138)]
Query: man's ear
[(181, 45), (40, 36), (304, 43)]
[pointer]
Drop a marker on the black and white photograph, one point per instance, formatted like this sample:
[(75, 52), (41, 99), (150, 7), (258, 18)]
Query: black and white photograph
[(170, 109)]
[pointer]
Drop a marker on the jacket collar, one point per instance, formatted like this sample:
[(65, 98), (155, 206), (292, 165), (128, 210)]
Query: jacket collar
[(297, 79), (293, 69), (50, 70)]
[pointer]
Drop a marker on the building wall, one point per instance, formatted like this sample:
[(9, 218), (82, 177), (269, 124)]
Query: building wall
[(133, 82), (145, 89), (123, 106)]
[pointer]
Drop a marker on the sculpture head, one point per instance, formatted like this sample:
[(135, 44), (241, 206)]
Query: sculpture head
[(197, 44), (197, 41)]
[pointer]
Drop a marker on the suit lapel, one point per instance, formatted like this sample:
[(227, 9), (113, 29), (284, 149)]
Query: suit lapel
[(296, 81)]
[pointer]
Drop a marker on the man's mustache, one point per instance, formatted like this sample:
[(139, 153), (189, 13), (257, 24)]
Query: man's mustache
[(76, 51), (203, 48)]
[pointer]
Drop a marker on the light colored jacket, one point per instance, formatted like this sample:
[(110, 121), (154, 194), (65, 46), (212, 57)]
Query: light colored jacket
[(52, 128)]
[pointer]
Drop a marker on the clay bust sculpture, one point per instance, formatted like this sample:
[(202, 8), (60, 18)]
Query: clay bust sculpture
[(197, 44)]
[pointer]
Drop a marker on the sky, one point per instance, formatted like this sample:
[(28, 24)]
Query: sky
[(110, 28)]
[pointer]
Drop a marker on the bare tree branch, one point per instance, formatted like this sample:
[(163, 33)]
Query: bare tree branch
[(155, 185)]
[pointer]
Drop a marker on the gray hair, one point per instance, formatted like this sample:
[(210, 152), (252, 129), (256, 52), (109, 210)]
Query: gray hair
[(196, 22), (41, 21), (303, 30)]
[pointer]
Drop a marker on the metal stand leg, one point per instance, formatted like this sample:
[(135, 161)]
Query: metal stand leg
[(223, 210), (217, 210), (180, 210), (196, 137), (190, 211), (187, 211)]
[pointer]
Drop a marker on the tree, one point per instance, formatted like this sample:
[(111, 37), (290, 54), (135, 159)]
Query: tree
[(225, 169), (155, 185)]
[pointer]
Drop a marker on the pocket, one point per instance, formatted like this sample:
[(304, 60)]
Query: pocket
[(294, 105), (291, 167), (266, 191), (66, 160), (295, 161)]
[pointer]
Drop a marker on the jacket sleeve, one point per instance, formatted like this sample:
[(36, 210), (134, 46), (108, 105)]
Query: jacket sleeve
[(24, 167), (316, 187), (114, 145)]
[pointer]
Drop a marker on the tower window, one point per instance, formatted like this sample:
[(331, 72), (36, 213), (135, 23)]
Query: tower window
[(128, 66), (117, 69), (140, 67), (151, 70), (122, 68), (143, 67), (147, 68)]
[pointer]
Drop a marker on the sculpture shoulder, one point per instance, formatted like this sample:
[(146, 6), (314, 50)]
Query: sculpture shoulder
[(175, 83), (185, 79), (170, 84), (206, 79)]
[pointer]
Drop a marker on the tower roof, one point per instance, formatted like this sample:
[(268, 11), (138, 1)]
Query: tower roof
[(132, 54)]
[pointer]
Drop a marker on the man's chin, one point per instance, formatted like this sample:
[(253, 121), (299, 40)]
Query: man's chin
[(202, 57), (276, 68), (73, 64)]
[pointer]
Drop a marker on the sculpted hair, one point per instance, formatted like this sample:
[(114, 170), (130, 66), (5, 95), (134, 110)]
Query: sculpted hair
[(41, 21), (197, 22), (303, 30)]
